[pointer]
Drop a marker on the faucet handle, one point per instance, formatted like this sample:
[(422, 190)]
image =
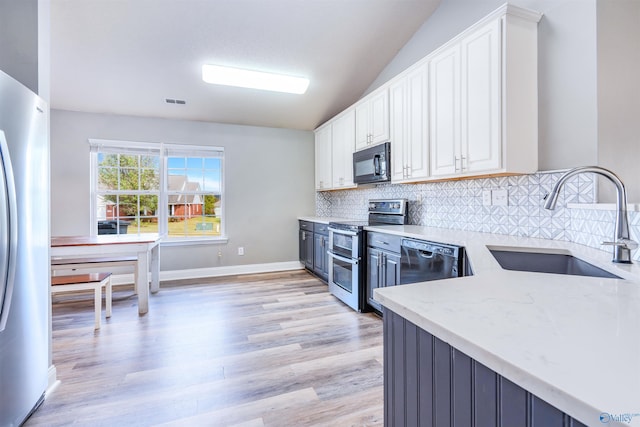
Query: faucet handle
[(624, 243)]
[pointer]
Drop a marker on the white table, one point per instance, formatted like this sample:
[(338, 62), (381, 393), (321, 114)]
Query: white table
[(146, 247)]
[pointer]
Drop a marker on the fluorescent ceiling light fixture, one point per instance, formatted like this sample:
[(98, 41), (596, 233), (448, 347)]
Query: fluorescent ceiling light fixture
[(228, 76)]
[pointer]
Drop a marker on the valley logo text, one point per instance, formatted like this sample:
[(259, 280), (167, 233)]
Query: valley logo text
[(606, 417)]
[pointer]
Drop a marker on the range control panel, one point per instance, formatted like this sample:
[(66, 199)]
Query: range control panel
[(393, 206)]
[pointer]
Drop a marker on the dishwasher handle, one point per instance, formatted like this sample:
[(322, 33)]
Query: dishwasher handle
[(429, 249), (426, 254)]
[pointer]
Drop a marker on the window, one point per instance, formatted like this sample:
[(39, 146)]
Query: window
[(173, 190)]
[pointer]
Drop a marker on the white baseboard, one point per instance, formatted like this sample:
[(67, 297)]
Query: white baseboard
[(52, 381), (197, 273)]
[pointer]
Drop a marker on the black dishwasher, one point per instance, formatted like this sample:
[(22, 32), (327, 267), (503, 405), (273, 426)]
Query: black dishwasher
[(421, 261)]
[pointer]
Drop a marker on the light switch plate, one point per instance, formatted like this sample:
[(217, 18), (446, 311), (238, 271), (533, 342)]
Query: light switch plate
[(500, 197), (486, 197)]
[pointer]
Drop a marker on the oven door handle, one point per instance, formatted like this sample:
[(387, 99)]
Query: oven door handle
[(343, 259), (348, 233)]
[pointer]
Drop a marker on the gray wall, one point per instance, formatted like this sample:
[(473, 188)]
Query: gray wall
[(19, 41), (619, 93), (566, 65), (269, 177), (589, 90)]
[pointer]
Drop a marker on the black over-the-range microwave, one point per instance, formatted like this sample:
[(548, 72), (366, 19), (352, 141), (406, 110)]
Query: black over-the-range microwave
[(372, 165)]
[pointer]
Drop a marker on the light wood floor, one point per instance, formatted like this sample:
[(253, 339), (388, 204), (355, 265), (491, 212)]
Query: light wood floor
[(260, 350)]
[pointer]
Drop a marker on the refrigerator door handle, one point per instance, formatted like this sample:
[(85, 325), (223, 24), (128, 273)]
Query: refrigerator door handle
[(8, 231)]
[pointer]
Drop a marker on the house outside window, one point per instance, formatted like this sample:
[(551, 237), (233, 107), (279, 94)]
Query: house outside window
[(173, 190)]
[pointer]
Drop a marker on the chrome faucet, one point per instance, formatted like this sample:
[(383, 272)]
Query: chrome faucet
[(622, 243)]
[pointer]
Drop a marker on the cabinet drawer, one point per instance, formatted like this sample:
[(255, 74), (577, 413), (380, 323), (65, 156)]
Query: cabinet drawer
[(385, 241), (321, 228), (306, 225)]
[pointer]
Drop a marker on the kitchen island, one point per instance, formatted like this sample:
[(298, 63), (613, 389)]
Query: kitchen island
[(570, 341)]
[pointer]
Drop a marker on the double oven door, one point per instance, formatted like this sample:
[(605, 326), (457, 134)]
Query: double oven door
[(345, 266)]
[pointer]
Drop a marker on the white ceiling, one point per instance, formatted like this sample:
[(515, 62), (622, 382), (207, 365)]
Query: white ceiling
[(127, 56)]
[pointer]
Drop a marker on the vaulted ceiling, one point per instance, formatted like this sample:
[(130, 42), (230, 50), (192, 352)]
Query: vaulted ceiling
[(128, 56)]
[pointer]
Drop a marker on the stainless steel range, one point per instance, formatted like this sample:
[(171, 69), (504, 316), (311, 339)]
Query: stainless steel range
[(347, 250)]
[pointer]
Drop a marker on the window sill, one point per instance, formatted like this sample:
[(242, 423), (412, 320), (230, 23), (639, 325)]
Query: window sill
[(175, 241)]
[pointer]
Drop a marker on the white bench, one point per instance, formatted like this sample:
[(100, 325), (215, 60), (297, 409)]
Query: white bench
[(95, 264), (84, 282)]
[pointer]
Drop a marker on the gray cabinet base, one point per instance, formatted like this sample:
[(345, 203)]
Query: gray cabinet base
[(429, 383)]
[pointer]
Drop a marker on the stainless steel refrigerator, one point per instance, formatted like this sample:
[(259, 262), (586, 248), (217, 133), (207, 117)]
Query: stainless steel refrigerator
[(24, 251)]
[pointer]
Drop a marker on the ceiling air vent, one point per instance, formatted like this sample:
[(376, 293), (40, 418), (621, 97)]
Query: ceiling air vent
[(175, 101)]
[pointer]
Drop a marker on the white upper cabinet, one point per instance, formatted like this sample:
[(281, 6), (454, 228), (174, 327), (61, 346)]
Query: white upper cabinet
[(323, 158), (372, 119), (483, 99), (409, 125), (343, 145), (480, 91), (468, 109), (444, 107)]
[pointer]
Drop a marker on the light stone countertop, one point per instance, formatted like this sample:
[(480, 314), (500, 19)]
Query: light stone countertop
[(572, 341), (322, 219)]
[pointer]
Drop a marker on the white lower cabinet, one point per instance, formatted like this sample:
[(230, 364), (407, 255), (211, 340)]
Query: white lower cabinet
[(409, 126)]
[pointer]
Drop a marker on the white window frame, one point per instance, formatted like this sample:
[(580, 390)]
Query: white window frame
[(163, 151)]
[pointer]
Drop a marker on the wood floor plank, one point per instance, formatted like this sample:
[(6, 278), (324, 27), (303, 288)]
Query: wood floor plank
[(270, 349)]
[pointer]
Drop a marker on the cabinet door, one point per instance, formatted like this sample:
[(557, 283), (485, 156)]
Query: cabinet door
[(372, 119), (325, 257), (362, 125), (481, 137), (391, 269), (379, 117), (417, 136), (343, 146), (409, 126), (373, 275), (306, 248), (444, 111), (397, 123), (320, 255), (323, 158)]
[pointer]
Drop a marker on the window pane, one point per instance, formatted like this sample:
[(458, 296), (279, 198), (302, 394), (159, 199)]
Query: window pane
[(211, 163), (211, 181), (129, 179), (129, 161), (149, 179), (105, 159), (195, 179), (151, 162), (176, 162), (108, 178), (194, 162), (127, 214)]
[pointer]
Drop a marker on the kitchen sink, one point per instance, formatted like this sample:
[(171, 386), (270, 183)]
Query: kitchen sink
[(540, 262)]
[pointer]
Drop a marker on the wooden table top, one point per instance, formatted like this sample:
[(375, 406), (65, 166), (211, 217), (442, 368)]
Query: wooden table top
[(104, 239)]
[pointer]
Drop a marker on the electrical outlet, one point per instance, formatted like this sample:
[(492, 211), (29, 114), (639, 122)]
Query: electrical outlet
[(500, 197), (419, 197), (219, 253), (240, 250), (486, 197)]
